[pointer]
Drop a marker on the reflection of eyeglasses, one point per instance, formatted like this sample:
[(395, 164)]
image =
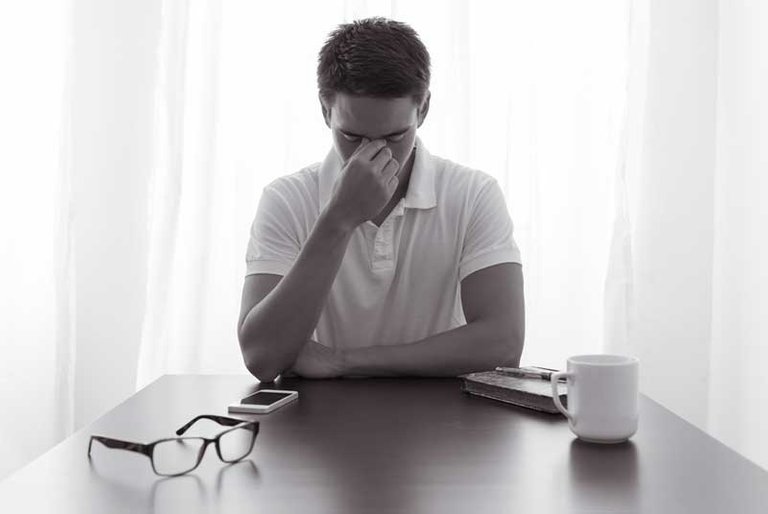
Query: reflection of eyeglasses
[(178, 455)]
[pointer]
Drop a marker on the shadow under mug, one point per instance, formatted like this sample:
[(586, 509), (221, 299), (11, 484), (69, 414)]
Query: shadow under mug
[(602, 397)]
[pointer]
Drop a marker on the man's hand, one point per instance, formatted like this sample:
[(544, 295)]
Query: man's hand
[(366, 184), (318, 361)]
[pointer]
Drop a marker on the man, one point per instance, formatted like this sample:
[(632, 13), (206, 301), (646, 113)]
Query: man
[(382, 260)]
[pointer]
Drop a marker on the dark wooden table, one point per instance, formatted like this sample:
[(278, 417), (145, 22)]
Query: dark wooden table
[(387, 445)]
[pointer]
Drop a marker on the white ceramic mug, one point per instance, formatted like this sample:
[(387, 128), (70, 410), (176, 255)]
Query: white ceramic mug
[(602, 397)]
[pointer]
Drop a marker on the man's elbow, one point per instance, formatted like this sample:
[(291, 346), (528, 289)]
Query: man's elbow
[(258, 364), (263, 374), (509, 347)]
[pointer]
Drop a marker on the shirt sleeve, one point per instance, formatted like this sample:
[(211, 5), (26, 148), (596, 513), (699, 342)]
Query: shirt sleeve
[(488, 239), (274, 244)]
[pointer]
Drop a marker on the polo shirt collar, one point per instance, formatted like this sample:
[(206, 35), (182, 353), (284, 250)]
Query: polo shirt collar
[(421, 189)]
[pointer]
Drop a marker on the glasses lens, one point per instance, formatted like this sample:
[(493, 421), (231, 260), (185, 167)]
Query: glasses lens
[(177, 455), (236, 444)]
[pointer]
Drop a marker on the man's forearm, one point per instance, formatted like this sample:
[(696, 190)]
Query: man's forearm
[(473, 347), (275, 330)]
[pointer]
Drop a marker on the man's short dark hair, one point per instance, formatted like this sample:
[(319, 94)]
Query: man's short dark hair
[(374, 57)]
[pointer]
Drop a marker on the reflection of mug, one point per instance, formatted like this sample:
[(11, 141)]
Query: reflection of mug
[(602, 397)]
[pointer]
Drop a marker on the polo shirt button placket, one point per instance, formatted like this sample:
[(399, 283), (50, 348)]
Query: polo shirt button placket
[(382, 248), (388, 239)]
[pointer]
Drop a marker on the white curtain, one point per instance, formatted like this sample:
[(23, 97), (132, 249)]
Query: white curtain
[(738, 382), (33, 63), (141, 134), (687, 289)]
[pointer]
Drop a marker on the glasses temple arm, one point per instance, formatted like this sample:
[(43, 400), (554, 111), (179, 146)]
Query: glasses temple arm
[(221, 420), (117, 443)]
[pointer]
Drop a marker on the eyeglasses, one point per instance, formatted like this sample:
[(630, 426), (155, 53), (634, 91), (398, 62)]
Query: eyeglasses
[(179, 455)]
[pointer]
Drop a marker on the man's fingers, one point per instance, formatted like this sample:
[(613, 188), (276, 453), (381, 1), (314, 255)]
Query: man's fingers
[(390, 170), (392, 184), (372, 149), (382, 158), (363, 143)]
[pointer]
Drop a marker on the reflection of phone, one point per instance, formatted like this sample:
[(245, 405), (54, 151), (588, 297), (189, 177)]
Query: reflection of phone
[(263, 401)]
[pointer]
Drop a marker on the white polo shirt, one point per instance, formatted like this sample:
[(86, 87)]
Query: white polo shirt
[(398, 283)]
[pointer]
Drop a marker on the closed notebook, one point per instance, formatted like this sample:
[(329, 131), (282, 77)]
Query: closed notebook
[(530, 393)]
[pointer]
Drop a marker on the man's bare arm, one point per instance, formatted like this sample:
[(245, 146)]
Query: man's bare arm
[(273, 330), (278, 316), (493, 336)]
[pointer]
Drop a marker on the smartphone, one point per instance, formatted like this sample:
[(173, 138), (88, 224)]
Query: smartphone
[(263, 401)]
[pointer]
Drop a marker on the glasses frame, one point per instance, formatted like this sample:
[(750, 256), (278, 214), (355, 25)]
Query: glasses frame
[(149, 448)]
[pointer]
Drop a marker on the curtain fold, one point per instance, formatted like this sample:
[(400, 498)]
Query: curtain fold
[(165, 185), (619, 279), (33, 55)]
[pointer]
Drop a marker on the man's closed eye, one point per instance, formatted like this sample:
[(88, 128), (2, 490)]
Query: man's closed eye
[(356, 139)]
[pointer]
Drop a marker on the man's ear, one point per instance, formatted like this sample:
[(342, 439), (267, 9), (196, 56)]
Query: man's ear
[(326, 111), (424, 109)]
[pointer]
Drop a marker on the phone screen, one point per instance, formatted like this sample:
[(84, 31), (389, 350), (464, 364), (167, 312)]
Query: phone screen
[(263, 398)]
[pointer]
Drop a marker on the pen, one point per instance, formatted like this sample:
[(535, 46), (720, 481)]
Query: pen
[(528, 373)]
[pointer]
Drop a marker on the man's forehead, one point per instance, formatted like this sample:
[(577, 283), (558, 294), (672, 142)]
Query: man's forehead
[(355, 107), (358, 116)]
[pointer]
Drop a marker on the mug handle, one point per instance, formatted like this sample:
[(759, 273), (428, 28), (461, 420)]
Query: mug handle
[(556, 395)]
